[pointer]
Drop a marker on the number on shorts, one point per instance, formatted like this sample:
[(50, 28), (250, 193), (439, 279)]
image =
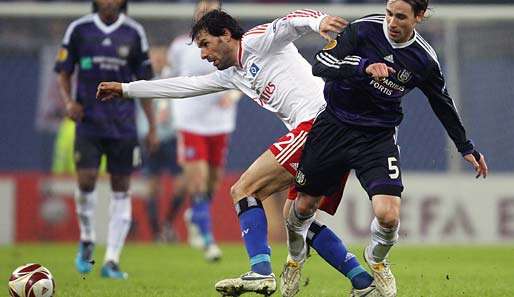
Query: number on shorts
[(395, 171), (280, 145)]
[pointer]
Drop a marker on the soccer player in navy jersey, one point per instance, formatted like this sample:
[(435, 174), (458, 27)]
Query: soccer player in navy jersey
[(104, 45), (368, 69)]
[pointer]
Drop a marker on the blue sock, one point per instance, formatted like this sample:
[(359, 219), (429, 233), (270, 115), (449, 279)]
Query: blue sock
[(254, 229), (333, 250), (201, 217)]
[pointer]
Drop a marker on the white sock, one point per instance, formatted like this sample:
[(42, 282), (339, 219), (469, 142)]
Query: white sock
[(382, 239), (119, 225), (297, 228), (85, 203)]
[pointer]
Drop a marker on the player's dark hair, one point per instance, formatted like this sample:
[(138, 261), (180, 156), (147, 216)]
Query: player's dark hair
[(418, 6), (215, 22), (123, 7)]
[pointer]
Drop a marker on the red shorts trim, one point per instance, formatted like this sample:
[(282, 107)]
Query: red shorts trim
[(195, 147)]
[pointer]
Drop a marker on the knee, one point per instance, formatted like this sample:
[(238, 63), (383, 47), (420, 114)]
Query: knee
[(235, 192), (306, 205), (388, 217), (87, 183)]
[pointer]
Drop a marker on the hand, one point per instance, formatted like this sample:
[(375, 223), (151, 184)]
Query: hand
[(74, 110), (108, 90), (226, 102), (379, 71), (478, 161), (331, 24), (152, 141)]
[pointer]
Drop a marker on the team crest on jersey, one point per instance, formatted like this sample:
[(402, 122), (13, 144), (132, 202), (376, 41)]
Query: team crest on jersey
[(123, 51), (404, 76), (254, 69), (62, 55), (330, 45), (300, 178)]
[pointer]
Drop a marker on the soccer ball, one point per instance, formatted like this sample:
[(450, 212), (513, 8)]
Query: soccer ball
[(31, 280)]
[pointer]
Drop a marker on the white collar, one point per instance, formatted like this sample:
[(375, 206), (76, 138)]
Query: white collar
[(396, 44), (107, 29)]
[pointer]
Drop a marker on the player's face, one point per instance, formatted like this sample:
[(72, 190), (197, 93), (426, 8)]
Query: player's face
[(216, 49), (109, 8), (401, 20)]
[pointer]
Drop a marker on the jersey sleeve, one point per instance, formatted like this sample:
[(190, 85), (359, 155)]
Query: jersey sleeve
[(141, 65), (269, 38), (68, 54), (434, 87), (178, 87), (336, 61)]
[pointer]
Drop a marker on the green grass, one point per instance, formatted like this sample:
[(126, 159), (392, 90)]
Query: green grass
[(162, 270)]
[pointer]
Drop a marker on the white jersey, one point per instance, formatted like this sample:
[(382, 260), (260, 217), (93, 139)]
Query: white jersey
[(204, 114), (271, 71)]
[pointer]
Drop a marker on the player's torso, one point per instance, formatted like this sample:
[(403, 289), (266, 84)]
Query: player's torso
[(282, 83), (202, 114), (365, 101), (104, 53)]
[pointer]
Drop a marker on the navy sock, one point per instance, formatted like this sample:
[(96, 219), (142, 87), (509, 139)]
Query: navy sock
[(201, 217), (333, 250), (175, 204), (153, 215), (254, 229)]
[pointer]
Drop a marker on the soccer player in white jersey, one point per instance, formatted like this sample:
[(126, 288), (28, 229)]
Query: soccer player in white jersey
[(266, 66), (204, 125)]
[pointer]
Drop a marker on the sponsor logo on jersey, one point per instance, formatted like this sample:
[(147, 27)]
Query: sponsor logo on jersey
[(254, 69), (300, 178), (62, 55), (404, 76), (330, 45), (389, 58), (86, 63), (268, 92)]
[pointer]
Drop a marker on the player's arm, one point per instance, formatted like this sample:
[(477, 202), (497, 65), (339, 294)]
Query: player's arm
[(434, 87), (336, 61), (272, 37), (67, 57), (176, 87)]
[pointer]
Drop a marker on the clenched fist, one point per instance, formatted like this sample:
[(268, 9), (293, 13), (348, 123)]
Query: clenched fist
[(108, 90)]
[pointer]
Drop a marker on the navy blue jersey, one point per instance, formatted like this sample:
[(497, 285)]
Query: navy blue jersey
[(356, 99), (116, 52)]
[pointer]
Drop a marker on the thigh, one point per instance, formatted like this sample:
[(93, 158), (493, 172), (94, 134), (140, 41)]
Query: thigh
[(324, 159), (87, 152), (217, 149), (378, 167), (123, 155)]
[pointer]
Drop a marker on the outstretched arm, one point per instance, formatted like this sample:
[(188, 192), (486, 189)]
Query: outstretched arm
[(272, 37), (177, 87)]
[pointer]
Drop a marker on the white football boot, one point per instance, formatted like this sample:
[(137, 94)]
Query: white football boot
[(370, 291), (248, 282), (212, 253), (290, 278), (384, 278)]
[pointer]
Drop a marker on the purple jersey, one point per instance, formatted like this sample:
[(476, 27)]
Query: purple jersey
[(116, 52), (356, 99)]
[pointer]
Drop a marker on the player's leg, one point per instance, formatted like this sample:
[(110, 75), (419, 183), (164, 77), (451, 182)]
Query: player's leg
[(122, 157), (264, 177), (153, 162), (87, 154), (379, 173)]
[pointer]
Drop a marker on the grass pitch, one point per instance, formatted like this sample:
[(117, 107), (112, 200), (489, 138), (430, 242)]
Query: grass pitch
[(176, 270)]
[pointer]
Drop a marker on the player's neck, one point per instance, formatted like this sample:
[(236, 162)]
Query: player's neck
[(108, 19)]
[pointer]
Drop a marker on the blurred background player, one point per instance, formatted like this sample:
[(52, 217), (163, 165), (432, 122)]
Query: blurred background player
[(105, 44), (161, 160), (204, 125)]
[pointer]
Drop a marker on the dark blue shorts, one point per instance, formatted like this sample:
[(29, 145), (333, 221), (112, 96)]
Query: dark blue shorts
[(123, 155), (163, 160)]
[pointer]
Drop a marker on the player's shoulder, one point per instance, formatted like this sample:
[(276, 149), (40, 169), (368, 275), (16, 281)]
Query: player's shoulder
[(370, 20), (77, 24), (425, 50)]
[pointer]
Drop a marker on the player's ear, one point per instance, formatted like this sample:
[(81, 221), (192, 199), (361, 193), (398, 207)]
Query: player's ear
[(420, 16), (226, 35)]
